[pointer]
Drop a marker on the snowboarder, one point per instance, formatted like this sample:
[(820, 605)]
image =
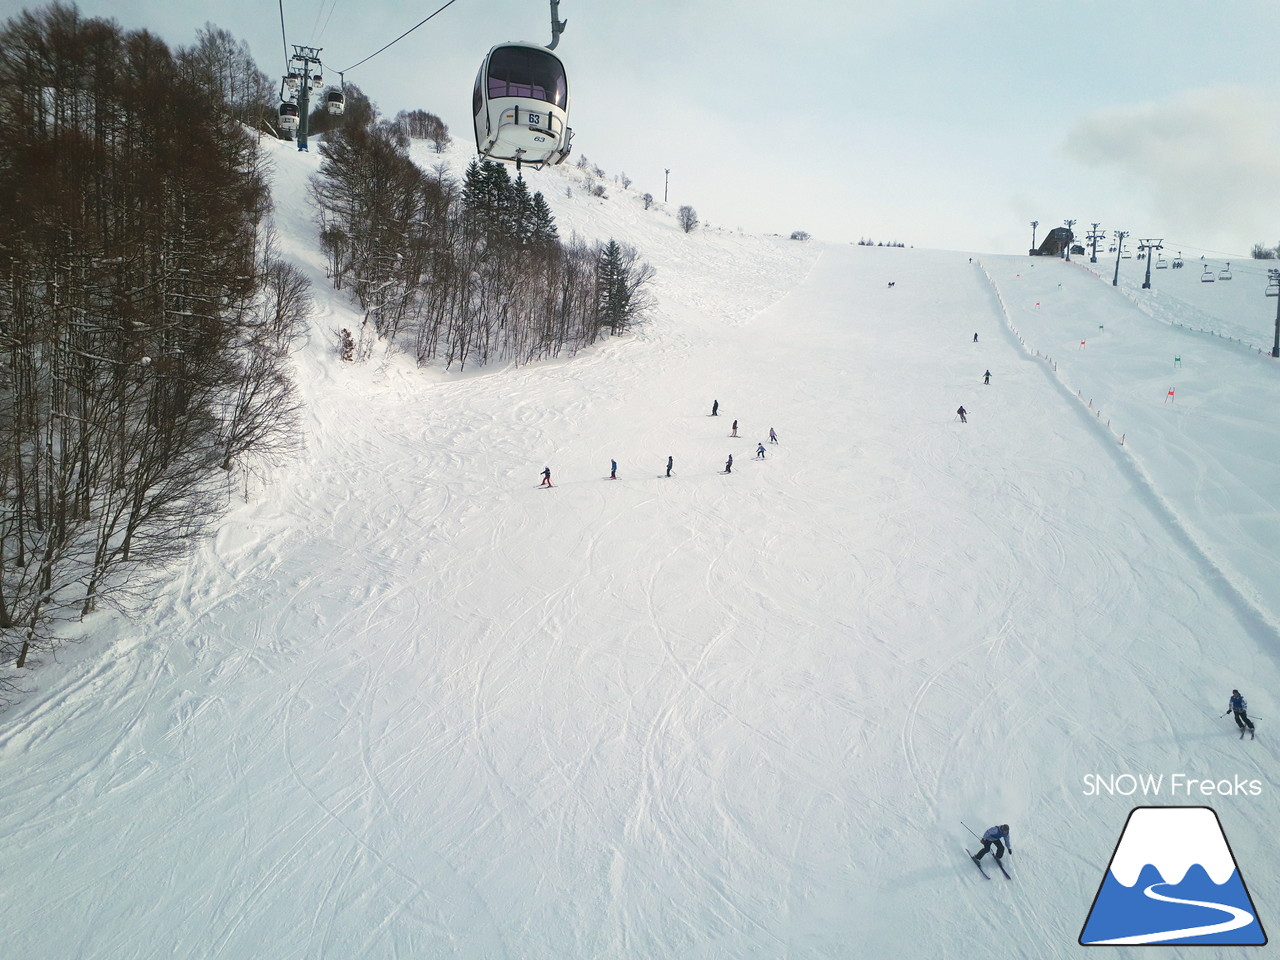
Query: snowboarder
[(613, 469), (962, 413), (735, 429), (760, 451), (1237, 706), (997, 837), (546, 477), (773, 437), (715, 408), (986, 377), (670, 463), (728, 464)]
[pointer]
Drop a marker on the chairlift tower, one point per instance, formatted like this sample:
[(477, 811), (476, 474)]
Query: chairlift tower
[(1120, 235), (1273, 290), (1094, 236), (1034, 224), (1148, 246), (305, 56), (1070, 240)]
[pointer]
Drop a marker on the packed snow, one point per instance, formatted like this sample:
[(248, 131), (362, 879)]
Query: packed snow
[(407, 703)]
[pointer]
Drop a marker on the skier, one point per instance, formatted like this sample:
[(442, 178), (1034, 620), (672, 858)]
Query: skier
[(997, 837), (962, 414), (670, 463), (715, 408), (773, 437), (760, 451), (986, 377), (613, 469), (1237, 706), (728, 464), (546, 477), (975, 337), (735, 429)]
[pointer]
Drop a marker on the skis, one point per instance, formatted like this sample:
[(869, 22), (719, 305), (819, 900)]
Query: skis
[(978, 864)]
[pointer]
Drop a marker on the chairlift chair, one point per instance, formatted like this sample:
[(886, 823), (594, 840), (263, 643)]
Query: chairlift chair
[(1207, 276), (335, 101), (288, 115), (521, 106), (1273, 286), (1162, 263), (1177, 261), (1225, 273)]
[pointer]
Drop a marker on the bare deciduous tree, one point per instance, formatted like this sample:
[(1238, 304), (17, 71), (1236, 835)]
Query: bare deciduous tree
[(687, 217)]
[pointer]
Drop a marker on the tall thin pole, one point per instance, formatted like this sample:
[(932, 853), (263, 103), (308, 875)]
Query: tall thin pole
[(1274, 275), (1094, 237), (1275, 350), (1120, 235), (666, 181), (1070, 238), (1034, 224), (307, 56), (1149, 246)]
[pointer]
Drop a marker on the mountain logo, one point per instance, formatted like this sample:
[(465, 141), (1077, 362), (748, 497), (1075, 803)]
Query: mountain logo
[(1172, 880)]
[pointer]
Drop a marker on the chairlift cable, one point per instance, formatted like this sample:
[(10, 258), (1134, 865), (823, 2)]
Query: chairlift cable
[(398, 39)]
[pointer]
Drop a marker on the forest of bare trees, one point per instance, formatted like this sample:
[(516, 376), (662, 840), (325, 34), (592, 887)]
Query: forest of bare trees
[(468, 273), (144, 323)]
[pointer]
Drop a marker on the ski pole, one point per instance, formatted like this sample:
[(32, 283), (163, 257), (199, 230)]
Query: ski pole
[(966, 826)]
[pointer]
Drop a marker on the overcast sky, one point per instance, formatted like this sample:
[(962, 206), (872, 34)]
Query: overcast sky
[(934, 123)]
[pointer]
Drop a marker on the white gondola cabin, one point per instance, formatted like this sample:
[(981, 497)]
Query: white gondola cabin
[(521, 106), (335, 102), (288, 116)]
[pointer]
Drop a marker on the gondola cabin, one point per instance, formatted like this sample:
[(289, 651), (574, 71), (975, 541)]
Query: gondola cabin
[(521, 106), (335, 102), (288, 116)]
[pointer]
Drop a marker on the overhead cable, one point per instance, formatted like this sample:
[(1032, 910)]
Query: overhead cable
[(397, 39)]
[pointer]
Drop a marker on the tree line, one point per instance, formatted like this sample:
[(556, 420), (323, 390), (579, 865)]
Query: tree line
[(144, 322), (461, 273)]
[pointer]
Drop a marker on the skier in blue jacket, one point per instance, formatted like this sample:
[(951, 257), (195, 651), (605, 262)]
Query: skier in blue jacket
[(997, 837), (1239, 709)]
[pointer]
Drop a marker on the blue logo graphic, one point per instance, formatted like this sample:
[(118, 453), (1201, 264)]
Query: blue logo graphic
[(1173, 880)]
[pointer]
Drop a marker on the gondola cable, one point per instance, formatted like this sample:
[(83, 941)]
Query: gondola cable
[(399, 38), (283, 39)]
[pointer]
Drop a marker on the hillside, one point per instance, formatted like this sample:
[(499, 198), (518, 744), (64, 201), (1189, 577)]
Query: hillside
[(408, 704)]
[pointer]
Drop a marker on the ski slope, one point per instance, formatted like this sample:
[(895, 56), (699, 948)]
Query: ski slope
[(408, 704)]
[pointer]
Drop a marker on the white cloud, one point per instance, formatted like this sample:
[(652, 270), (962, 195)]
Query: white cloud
[(1206, 159)]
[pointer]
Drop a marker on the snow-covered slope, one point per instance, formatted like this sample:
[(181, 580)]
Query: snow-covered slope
[(408, 704)]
